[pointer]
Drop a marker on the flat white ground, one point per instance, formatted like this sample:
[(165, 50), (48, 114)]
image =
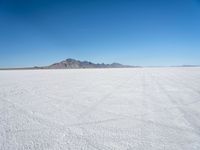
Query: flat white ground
[(119, 109)]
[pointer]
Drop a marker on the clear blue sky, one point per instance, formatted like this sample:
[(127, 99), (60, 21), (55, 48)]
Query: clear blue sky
[(135, 32)]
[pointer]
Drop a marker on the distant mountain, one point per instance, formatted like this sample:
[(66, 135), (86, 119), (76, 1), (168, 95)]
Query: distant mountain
[(75, 64)]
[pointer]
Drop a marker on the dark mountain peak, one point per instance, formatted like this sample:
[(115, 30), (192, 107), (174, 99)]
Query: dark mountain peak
[(71, 60)]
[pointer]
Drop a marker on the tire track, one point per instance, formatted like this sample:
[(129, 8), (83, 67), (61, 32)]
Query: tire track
[(188, 117)]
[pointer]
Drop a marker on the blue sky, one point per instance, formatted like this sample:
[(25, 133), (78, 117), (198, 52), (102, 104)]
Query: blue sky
[(134, 32)]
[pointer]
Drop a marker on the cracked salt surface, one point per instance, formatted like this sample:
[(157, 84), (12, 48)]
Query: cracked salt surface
[(135, 108)]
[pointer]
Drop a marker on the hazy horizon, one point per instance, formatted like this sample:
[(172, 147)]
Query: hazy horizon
[(140, 33), (181, 65)]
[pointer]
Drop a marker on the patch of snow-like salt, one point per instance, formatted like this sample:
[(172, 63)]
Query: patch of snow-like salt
[(135, 108)]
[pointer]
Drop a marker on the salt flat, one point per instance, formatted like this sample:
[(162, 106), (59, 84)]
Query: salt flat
[(104, 109)]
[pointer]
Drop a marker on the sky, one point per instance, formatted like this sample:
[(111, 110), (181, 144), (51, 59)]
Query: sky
[(133, 32)]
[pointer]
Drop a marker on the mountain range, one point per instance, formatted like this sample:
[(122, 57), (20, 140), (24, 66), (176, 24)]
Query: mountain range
[(75, 64)]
